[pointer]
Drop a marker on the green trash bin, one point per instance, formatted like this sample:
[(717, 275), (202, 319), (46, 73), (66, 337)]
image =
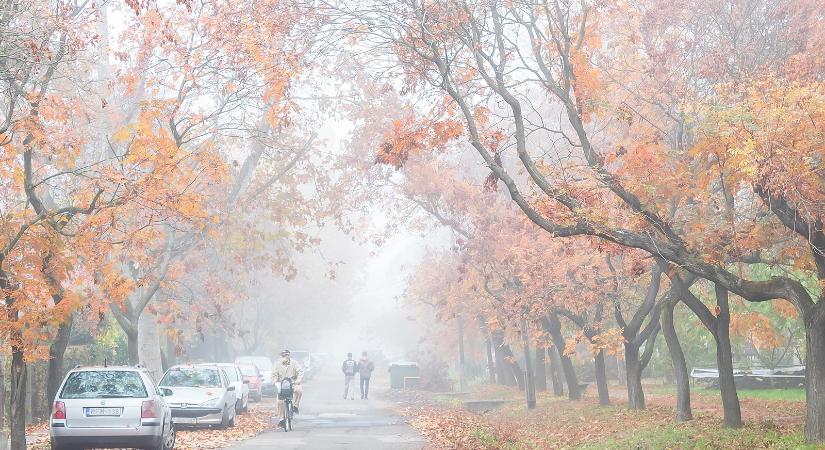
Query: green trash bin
[(400, 370)]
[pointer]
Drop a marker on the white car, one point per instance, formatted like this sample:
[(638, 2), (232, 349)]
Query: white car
[(236, 378), (199, 395), (110, 407)]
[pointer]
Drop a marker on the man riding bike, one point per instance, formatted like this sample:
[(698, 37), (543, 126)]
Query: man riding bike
[(289, 368)]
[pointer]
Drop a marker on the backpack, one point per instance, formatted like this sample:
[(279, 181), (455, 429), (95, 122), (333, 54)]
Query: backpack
[(349, 367)]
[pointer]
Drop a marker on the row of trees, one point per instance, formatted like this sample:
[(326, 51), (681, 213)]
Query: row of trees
[(674, 148), (149, 157)]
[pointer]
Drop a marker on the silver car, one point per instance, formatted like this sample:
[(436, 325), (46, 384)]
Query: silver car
[(199, 395), (110, 407), (236, 378)]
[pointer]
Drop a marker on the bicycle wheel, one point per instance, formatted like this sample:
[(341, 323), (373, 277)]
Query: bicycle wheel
[(291, 414), (288, 415)]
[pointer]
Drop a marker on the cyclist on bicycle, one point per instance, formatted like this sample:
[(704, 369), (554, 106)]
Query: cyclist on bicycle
[(289, 368)]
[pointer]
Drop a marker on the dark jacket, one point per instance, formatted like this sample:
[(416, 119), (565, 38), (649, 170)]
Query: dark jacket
[(349, 367)]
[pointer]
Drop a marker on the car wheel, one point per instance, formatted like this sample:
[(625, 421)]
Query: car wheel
[(238, 406), (169, 442), (232, 421), (225, 417), (245, 404)]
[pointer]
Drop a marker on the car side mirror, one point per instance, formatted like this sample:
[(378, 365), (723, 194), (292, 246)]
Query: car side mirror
[(230, 388), (245, 381), (165, 392)]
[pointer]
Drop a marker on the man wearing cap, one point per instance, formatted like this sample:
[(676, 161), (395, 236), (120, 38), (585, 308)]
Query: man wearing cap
[(289, 368)]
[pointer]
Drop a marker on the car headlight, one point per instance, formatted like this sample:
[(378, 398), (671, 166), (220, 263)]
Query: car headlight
[(211, 403)]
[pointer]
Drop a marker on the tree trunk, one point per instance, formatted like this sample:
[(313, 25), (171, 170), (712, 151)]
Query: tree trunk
[(541, 371), (461, 369), (57, 351), (504, 372), (724, 361), (529, 383), (555, 369), (677, 357), (491, 365), (553, 326), (491, 362), (149, 344), (18, 399), (29, 397), (4, 438), (513, 366), (132, 345), (601, 378), (635, 394), (815, 375)]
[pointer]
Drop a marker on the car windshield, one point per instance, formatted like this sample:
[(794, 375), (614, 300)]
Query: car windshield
[(262, 363), (230, 372), (249, 371), (191, 377), (104, 384)]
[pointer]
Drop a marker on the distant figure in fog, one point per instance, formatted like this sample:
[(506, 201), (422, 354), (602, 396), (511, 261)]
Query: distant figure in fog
[(349, 367), (365, 368)]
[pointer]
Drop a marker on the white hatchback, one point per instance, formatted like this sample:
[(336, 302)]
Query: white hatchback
[(110, 407), (199, 395), (236, 378)]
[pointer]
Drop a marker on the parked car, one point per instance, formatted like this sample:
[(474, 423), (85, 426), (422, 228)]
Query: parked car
[(235, 377), (253, 377), (110, 407), (199, 395), (268, 386)]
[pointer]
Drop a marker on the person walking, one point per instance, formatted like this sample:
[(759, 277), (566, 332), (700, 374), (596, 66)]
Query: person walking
[(365, 368), (349, 367)]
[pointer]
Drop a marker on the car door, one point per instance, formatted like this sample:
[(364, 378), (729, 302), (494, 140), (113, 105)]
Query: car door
[(243, 387), (230, 396)]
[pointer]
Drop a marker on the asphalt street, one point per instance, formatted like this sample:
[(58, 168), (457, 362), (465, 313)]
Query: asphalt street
[(327, 421)]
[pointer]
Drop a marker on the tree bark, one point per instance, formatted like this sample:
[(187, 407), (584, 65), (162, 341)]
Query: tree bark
[(529, 383), (815, 374), (513, 365), (677, 357), (635, 393), (57, 351), (601, 378), (491, 365), (555, 369), (18, 398), (541, 370), (724, 361), (553, 326), (149, 345), (132, 346), (504, 374)]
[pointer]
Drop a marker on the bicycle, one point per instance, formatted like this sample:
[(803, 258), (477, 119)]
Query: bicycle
[(285, 395)]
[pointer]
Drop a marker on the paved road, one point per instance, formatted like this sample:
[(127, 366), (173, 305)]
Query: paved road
[(329, 422)]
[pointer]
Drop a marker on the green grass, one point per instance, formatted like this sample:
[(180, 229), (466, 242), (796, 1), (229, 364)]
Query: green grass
[(789, 394), (786, 394), (689, 436)]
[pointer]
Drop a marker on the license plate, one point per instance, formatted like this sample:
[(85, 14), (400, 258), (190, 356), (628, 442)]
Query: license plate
[(102, 412), (184, 420)]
